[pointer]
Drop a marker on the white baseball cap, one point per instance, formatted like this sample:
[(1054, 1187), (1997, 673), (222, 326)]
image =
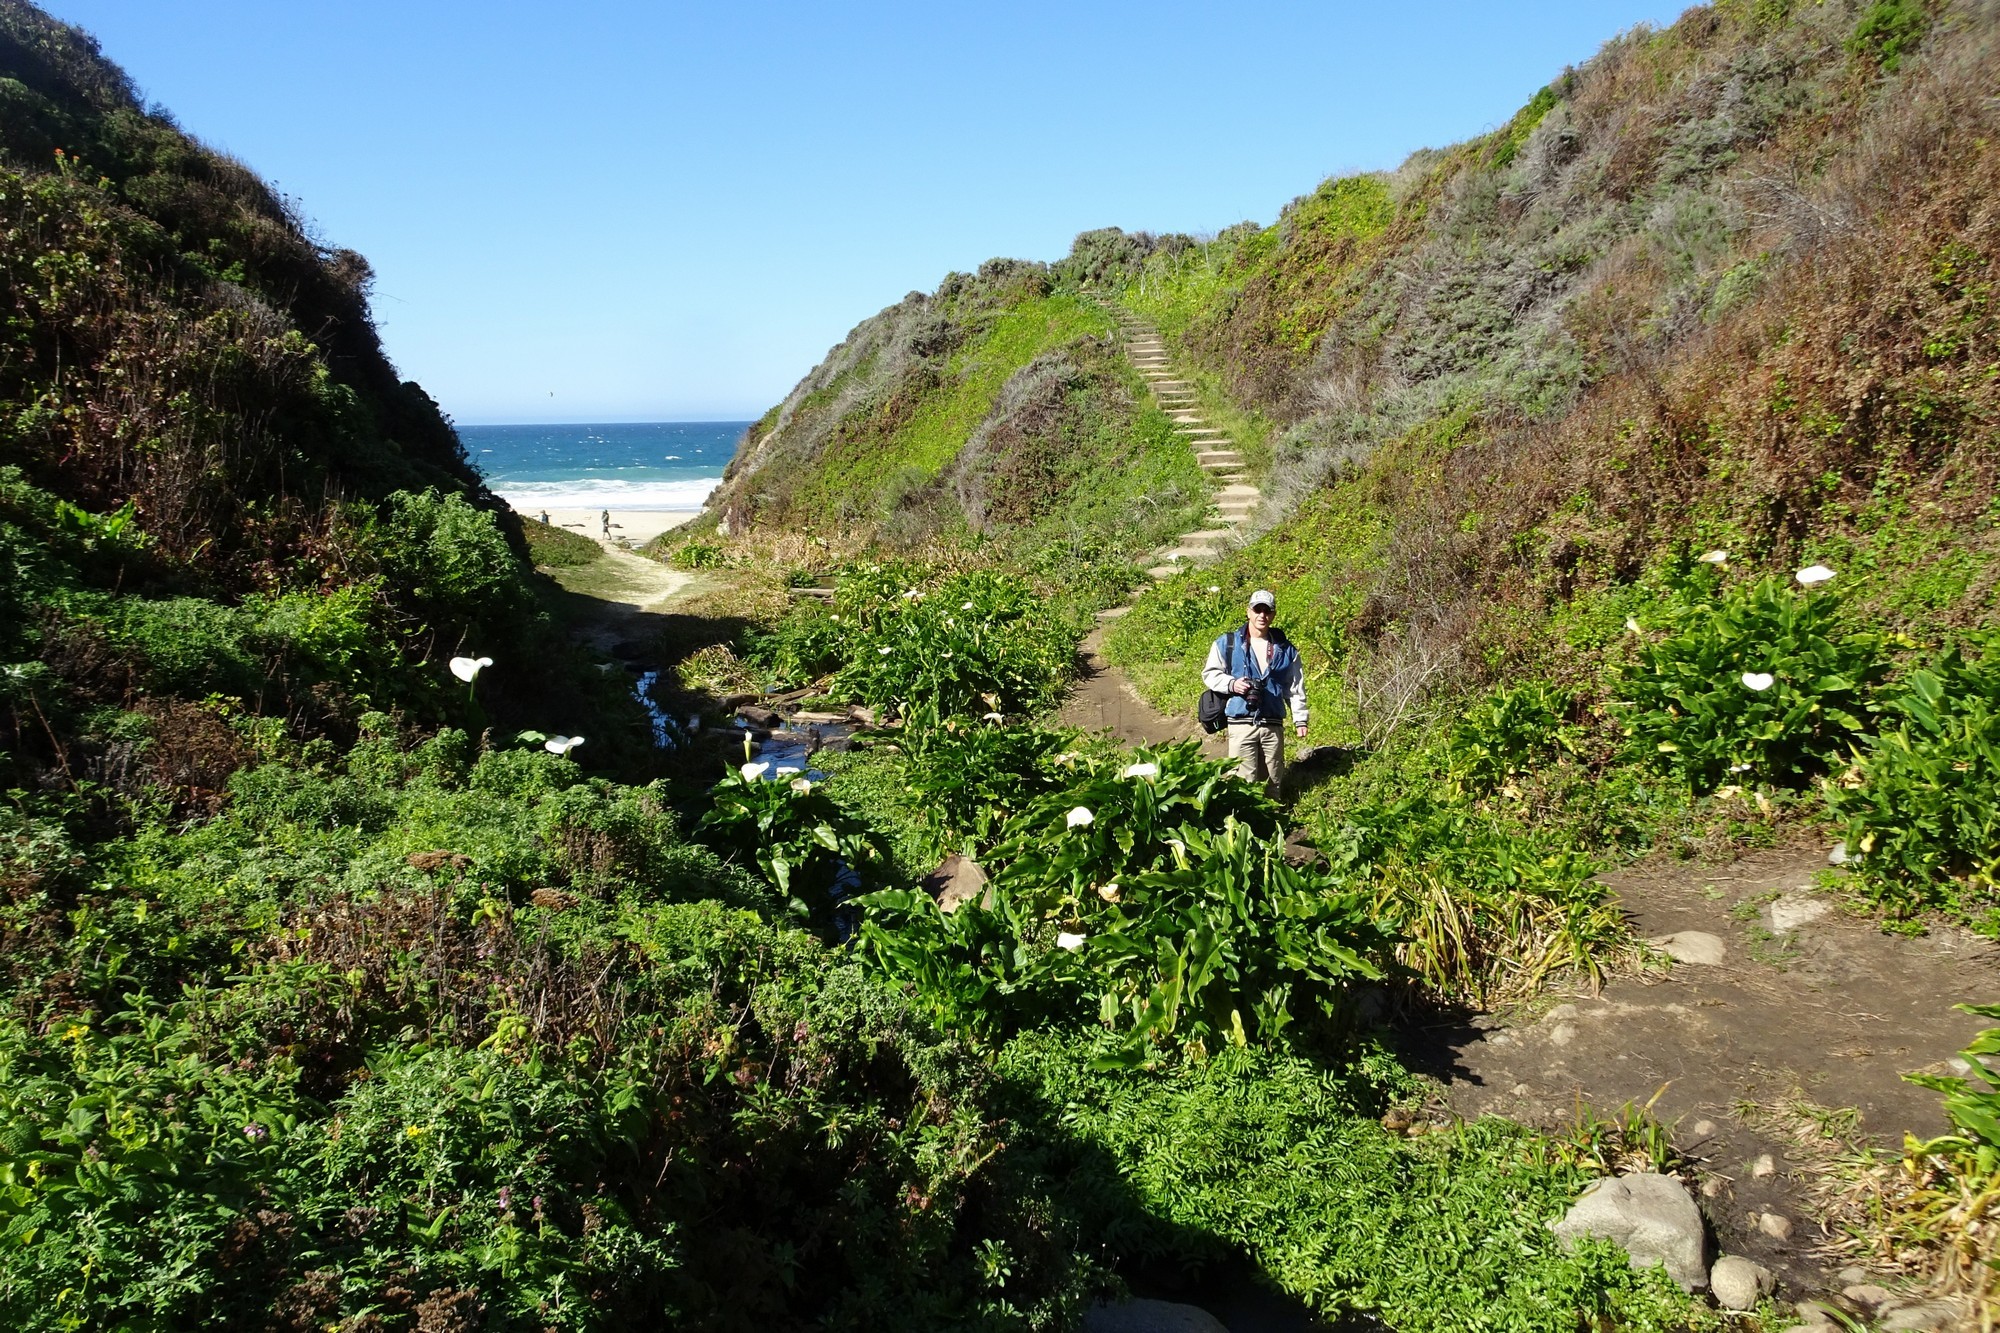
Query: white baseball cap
[(1263, 597)]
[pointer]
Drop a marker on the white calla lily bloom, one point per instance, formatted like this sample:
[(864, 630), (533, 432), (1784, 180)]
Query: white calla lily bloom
[(1716, 558), (995, 718), (467, 669), (1080, 816), (1632, 626), (1813, 574), (1142, 771), (561, 744), (1067, 940), (751, 772), (885, 650), (1759, 680)]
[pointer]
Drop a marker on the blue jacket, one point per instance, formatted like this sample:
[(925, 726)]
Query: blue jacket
[(1283, 682)]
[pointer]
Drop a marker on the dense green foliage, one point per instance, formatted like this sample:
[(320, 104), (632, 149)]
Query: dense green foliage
[(1757, 683), (1150, 895), (334, 998), (1253, 1148), (1923, 810), (915, 641)]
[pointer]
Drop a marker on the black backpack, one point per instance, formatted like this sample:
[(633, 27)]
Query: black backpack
[(1212, 711)]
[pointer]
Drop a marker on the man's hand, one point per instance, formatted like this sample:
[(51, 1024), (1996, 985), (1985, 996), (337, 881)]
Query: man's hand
[(1302, 731), (1241, 685)]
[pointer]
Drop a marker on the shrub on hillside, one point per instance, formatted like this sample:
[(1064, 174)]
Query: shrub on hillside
[(1758, 682), (1922, 812)]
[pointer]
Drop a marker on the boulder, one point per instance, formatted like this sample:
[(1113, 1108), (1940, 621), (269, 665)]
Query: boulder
[(1151, 1317), (1695, 947), (1949, 1312), (1650, 1216), (1738, 1282), (1797, 909), (957, 879)]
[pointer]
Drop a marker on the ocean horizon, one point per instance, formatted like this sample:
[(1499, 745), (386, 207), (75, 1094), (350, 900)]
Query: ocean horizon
[(632, 465)]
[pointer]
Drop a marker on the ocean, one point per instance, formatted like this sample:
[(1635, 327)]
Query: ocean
[(649, 465)]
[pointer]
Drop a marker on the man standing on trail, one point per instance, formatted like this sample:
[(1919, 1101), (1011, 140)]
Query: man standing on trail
[(1257, 667)]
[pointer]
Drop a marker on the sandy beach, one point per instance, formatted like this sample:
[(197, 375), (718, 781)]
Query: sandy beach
[(634, 527)]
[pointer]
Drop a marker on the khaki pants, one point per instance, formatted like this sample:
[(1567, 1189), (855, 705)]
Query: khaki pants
[(1259, 748)]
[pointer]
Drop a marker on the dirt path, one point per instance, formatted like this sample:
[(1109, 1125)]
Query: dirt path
[(1794, 1004), (629, 590)]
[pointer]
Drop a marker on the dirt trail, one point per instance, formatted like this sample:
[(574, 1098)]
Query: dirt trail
[(629, 589), (1801, 1001)]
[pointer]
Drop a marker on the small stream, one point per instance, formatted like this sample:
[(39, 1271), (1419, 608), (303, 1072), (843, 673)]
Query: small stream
[(787, 747)]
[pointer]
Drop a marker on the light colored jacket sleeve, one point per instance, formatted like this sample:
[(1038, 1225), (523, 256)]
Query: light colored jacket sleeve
[(1215, 672), (1295, 692)]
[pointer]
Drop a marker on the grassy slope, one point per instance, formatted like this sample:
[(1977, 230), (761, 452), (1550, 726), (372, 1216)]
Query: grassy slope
[(1689, 371)]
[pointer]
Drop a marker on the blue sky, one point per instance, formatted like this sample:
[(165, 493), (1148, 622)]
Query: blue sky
[(625, 211)]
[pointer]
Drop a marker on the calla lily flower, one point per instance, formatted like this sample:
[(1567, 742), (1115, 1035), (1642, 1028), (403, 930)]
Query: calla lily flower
[(1716, 558), (1067, 940), (561, 744), (885, 650), (752, 771), (1081, 816), (1632, 626), (1758, 680), (467, 669), (1813, 574), (1108, 892), (995, 718), (965, 606), (1142, 771)]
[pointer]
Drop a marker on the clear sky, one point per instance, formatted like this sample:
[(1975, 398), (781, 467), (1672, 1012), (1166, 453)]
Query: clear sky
[(625, 210)]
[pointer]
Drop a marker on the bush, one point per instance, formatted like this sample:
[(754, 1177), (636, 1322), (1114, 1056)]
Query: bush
[(916, 644), (551, 547), (449, 558), (1888, 31), (698, 555), (969, 643), (1507, 733), (1757, 682), (1153, 896), (1923, 816), (812, 851)]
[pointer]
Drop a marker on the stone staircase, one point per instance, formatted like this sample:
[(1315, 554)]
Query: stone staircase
[(1235, 497)]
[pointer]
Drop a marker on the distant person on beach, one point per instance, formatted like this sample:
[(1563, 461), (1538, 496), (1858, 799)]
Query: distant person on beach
[(545, 518), (1258, 668), (606, 520)]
